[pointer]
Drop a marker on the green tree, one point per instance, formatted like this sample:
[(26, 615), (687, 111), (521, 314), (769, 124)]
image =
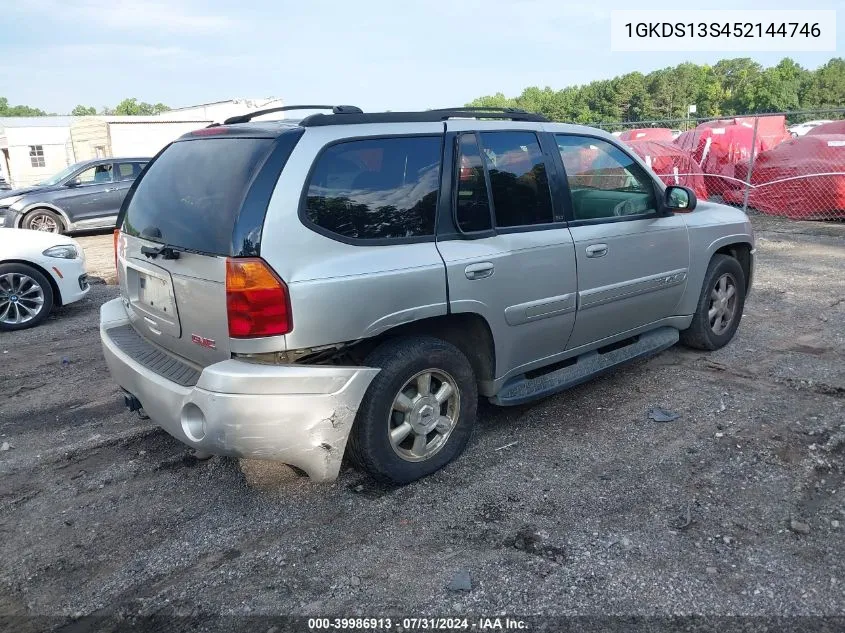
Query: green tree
[(729, 87), (825, 87), (131, 107), (777, 89), (82, 110), (18, 110)]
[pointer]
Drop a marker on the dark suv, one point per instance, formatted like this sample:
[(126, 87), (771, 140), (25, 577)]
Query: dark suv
[(84, 196)]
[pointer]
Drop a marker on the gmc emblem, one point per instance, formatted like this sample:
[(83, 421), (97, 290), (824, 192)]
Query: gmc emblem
[(203, 342)]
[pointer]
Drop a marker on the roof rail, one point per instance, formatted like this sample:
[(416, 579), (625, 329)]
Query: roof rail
[(481, 109), (344, 118), (336, 109)]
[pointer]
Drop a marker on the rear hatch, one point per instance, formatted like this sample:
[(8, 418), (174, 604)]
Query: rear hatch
[(200, 201)]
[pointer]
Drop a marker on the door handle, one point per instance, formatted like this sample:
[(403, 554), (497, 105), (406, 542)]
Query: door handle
[(478, 271), (597, 250)]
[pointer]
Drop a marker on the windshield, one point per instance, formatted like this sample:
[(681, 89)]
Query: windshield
[(54, 180)]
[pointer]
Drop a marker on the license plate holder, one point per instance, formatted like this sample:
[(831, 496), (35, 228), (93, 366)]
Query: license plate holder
[(155, 294)]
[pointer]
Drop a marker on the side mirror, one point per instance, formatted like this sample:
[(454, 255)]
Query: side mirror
[(678, 198), (72, 183)]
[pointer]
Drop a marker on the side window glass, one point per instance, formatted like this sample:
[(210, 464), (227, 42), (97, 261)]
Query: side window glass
[(95, 175), (518, 178), (127, 171), (604, 181), (473, 206), (376, 188)]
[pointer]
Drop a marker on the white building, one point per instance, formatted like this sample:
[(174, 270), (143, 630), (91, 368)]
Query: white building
[(34, 148), (219, 111)]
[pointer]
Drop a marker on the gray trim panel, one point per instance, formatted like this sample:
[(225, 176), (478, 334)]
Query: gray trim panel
[(540, 309), (630, 288)]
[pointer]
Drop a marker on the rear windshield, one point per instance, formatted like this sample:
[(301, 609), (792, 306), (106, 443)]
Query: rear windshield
[(192, 194)]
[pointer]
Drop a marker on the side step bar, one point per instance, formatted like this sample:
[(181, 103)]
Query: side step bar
[(521, 389)]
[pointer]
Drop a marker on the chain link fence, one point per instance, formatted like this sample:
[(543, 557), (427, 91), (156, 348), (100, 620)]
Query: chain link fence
[(789, 164)]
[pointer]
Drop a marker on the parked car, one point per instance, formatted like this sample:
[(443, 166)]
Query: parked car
[(38, 272), (3, 184), (353, 282), (802, 128), (84, 196)]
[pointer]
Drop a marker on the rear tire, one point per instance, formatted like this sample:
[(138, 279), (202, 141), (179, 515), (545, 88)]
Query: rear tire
[(26, 297), (720, 305), (44, 220), (426, 389)]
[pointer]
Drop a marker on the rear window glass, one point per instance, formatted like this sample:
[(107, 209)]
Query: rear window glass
[(192, 194), (376, 188)]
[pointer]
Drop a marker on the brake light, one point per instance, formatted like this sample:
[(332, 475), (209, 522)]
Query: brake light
[(257, 301), (215, 130)]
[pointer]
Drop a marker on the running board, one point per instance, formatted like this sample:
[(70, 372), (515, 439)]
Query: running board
[(522, 389)]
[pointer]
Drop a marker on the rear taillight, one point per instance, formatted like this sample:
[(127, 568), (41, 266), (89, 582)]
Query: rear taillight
[(116, 241), (257, 301)]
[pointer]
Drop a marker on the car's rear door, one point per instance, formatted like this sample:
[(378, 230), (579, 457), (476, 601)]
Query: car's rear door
[(125, 173), (509, 255), (632, 263)]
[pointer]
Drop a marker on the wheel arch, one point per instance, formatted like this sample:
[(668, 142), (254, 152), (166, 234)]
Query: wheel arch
[(739, 246), (57, 294), (34, 206), (468, 331), (740, 251)]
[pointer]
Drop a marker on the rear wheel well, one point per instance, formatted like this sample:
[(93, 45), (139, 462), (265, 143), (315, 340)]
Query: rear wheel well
[(469, 332), (57, 295), (741, 251)]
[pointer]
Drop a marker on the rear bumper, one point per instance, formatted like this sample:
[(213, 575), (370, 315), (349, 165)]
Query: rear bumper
[(297, 414)]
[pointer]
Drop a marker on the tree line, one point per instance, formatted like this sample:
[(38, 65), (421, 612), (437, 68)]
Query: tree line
[(127, 107), (729, 87)]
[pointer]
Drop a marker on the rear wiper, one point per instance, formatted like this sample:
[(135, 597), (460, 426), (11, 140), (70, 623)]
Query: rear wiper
[(166, 251)]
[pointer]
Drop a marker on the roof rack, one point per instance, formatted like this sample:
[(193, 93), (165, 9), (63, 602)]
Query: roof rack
[(344, 118), (336, 109)]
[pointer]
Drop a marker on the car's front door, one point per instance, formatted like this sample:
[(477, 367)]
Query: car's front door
[(509, 256), (90, 196), (632, 263)]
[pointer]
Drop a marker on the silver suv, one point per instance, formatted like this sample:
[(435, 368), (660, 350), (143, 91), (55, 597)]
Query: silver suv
[(352, 282)]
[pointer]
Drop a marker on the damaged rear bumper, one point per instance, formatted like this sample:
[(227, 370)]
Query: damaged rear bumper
[(297, 414)]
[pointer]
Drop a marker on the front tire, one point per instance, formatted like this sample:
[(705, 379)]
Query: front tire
[(720, 305), (44, 220), (26, 297), (419, 411)]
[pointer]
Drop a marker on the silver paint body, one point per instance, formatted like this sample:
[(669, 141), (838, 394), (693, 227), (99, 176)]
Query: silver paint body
[(546, 295)]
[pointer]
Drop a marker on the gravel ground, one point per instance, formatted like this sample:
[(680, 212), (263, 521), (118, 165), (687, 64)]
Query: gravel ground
[(99, 254), (577, 505)]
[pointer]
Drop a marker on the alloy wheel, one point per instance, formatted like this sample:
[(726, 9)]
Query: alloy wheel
[(723, 301), (21, 298), (43, 222), (423, 415)]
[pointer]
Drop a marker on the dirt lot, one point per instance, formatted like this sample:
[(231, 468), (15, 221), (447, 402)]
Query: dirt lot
[(577, 505), (99, 255)]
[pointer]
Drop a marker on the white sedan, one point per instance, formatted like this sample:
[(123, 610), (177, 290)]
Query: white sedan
[(38, 271)]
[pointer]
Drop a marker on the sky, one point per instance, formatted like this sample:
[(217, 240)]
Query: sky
[(376, 54)]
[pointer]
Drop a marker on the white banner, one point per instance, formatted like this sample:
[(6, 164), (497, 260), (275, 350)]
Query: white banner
[(720, 30)]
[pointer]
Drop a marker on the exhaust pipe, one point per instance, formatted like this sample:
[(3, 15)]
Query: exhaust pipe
[(131, 402)]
